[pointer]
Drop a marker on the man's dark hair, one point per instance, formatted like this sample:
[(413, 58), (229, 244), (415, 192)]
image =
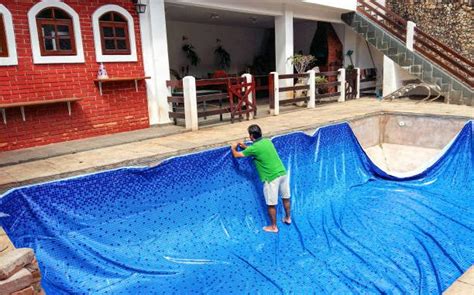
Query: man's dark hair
[(255, 131)]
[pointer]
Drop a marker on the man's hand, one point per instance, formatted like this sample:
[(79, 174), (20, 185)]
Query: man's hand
[(242, 145), (235, 153)]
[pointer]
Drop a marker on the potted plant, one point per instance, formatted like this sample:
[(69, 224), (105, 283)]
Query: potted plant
[(301, 63), (222, 56), (191, 55), (321, 80), (349, 54)]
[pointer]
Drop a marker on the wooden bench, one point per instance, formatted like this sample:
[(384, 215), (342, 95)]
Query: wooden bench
[(22, 105)]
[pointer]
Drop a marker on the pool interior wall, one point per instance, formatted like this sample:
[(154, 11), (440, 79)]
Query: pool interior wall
[(405, 142), (193, 224)]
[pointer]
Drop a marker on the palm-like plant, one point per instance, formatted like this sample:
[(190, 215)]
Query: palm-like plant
[(190, 52), (223, 57)]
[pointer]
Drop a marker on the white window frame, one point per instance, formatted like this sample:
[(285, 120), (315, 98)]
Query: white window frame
[(35, 45), (12, 58), (100, 57)]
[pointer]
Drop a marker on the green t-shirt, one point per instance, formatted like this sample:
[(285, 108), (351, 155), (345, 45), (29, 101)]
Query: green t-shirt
[(267, 161)]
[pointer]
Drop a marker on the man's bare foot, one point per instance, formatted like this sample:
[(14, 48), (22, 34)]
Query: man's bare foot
[(270, 229), (287, 220)]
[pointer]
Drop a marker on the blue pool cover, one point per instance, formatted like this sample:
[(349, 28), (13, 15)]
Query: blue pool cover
[(193, 224)]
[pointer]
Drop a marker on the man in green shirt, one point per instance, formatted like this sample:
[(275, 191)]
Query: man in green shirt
[(271, 171)]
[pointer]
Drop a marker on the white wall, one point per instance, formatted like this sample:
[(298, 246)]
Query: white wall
[(303, 35), (242, 43), (361, 55), (342, 4), (324, 10)]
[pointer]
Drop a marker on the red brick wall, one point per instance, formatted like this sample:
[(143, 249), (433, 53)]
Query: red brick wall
[(334, 56), (119, 109)]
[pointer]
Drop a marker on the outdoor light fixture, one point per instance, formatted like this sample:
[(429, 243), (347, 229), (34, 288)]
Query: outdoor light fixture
[(141, 8), (215, 16)]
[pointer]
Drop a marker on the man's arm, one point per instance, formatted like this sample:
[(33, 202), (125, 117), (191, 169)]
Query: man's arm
[(236, 153)]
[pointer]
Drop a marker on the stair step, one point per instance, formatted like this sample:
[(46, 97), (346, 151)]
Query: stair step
[(372, 41)]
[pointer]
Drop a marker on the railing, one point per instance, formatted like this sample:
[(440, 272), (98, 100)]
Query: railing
[(297, 91), (211, 101), (385, 18), (447, 58), (305, 88), (351, 84), (212, 97), (328, 89)]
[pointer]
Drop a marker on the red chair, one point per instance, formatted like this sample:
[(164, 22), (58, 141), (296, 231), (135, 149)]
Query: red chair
[(219, 74)]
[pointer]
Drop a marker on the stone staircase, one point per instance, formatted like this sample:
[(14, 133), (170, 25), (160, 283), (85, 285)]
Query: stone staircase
[(453, 74)]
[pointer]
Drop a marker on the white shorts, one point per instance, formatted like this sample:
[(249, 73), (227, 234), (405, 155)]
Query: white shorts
[(278, 186)]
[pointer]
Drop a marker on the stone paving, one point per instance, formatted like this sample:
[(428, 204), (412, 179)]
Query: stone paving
[(464, 285)]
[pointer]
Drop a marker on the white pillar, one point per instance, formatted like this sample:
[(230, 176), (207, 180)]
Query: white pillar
[(155, 60), (342, 87), (391, 76), (276, 96), (284, 44), (190, 103), (312, 89), (248, 79), (410, 35), (358, 83)]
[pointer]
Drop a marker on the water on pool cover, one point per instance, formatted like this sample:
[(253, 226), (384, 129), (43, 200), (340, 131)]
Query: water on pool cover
[(193, 224)]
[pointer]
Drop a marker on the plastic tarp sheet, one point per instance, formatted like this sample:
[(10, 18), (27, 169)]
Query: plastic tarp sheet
[(193, 224)]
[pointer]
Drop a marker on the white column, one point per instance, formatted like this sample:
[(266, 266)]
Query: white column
[(312, 89), (284, 44), (248, 79), (342, 87), (190, 103), (155, 60), (410, 35), (358, 83), (391, 76), (276, 89)]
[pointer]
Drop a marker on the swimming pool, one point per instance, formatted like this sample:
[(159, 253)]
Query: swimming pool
[(193, 224)]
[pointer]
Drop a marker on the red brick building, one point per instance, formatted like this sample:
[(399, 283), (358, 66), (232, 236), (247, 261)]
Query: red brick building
[(51, 50), (120, 108)]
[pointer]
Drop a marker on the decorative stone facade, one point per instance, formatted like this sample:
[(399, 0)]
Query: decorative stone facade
[(449, 21)]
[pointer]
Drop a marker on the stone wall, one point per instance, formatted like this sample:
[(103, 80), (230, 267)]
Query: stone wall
[(449, 21), (19, 270)]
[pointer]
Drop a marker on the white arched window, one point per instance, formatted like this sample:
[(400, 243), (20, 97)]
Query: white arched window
[(114, 34), (55, 33), (8, 55)]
